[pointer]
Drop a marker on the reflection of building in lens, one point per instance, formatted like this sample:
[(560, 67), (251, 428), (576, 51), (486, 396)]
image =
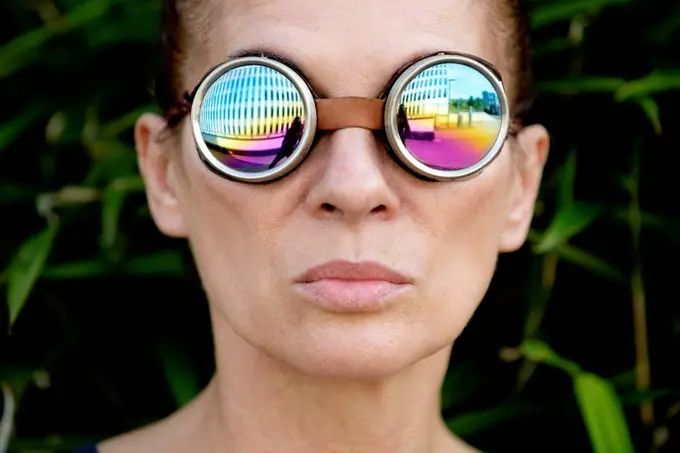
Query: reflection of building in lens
[(449, 95), (245, 117), (490, 103), (250, 103), (425, 98)]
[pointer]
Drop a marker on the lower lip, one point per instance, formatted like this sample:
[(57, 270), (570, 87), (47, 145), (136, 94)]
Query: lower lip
[(352, 295)]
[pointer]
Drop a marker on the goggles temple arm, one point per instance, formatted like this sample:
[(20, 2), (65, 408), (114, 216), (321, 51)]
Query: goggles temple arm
[(179, 110), (516, 126)]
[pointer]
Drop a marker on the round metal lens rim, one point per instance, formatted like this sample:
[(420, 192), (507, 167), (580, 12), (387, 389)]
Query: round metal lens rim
[(391, 107), (307, 135)]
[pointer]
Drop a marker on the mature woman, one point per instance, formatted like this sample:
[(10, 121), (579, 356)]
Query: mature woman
[(340, 273)]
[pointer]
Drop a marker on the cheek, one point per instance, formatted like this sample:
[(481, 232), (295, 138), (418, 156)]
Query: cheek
[(232, 228), (466, 223)]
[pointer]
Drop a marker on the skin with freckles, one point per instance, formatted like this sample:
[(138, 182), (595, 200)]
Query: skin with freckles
[(313, 379)]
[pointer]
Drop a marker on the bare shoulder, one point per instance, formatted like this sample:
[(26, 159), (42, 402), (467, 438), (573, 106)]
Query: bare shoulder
[(180, 432), (132, 442), (458, 446), (158, 437), (453, 444)]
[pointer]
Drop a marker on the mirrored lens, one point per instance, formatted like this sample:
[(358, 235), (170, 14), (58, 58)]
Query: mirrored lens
[(449, 116), (252, 118)]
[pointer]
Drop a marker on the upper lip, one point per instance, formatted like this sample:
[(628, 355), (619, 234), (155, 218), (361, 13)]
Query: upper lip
[(345, 270)]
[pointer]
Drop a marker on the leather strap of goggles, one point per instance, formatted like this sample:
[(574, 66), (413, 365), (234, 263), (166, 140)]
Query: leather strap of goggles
[(339, 113), (334, 114)]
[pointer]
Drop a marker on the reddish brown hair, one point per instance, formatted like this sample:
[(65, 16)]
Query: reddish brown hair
[(181, 19)]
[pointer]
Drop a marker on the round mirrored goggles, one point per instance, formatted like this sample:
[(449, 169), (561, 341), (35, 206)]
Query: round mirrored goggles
[(255, 119)]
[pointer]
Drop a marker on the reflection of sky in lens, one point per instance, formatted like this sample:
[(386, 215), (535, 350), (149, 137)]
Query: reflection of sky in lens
[(465, 81)]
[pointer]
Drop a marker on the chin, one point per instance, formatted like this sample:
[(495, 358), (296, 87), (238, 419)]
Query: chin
[(360, 352)]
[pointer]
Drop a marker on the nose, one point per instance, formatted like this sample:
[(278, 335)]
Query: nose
[(352, 185)]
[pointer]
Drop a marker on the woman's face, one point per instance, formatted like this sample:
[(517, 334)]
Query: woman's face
[(349, 201)]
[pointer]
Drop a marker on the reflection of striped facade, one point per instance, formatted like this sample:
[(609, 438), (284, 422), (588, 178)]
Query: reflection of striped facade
[(427, 94), (250, 102)]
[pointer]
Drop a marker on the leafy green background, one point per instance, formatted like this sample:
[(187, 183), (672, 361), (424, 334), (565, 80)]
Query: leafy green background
[(105, 327)]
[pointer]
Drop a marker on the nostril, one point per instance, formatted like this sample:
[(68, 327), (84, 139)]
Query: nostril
[(327, 207), (379, 209)]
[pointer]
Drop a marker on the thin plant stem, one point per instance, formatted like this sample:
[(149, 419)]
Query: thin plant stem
[(642, 362)]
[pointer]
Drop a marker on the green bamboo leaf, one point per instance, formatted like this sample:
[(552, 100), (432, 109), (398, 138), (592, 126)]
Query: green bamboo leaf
[(118, 161), (660, 224), (21, 51), (51, 444), (112, 205), (461, 383), (656, 82), (179, 372), (581, 85), (651, 109), (88, 11), (76, 269), (625, 379), (25, 49), (539, 352), (11, 129), (130, 26), (552, 47), (567, 223), (55, 127), (12, 193), (474, 422), (602, 414), (47, 203), (665, 31), (589, 261), (565, 10), (25, 268), (162, 263), (167, 263), (638, 397), (21, 377), (119, 125)]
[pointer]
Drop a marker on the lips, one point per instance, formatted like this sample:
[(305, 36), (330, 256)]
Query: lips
[(344, 270), (342, 286)]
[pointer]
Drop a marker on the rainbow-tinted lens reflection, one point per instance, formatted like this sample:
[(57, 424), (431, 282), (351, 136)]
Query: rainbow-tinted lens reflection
[(449, 116), (252, 118)]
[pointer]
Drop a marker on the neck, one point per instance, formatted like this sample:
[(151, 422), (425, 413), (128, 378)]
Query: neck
[(255, 404), (259, 404)]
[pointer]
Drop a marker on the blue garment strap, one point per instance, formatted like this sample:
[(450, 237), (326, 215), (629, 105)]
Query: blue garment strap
[(90, 448)]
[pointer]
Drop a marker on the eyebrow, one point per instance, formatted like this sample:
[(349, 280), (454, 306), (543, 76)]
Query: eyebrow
[(266, 54)]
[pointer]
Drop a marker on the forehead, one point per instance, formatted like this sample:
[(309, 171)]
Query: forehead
[(348, 47)]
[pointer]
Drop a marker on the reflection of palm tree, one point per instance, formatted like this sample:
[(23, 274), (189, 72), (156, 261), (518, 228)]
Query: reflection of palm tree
[(290, 141), (403, 127)]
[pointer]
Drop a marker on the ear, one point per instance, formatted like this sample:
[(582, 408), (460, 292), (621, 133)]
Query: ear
[(533, 143), (158, 160)]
